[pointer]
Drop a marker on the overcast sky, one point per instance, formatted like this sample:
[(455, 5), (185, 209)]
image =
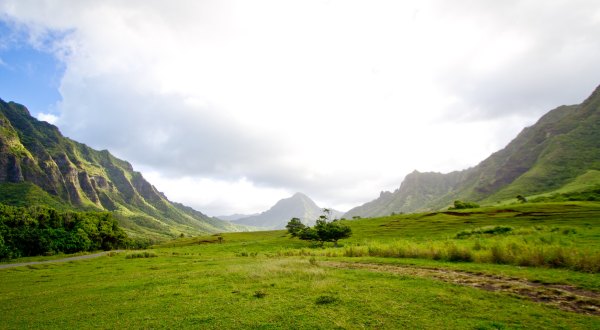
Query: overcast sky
[(229, 106)]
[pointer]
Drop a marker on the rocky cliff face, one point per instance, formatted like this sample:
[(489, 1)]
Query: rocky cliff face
[(416, 191), (80, 177), (562, 145)]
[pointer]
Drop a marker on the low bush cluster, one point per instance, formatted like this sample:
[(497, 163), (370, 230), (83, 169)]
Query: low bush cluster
[(460, 205), (141, 254), (325, 299), (259, 294), (489, 230)]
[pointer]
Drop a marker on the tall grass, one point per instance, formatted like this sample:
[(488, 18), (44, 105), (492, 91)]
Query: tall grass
[(523, 247)]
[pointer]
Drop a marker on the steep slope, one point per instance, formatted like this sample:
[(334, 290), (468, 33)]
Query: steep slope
[(233, 217), (36, 160), (298, 206), (415, 192), (561, 146)]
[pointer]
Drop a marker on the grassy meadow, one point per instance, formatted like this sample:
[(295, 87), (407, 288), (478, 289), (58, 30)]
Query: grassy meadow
[(517, 266)]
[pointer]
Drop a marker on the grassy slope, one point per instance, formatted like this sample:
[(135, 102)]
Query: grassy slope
[(196, 282), (27, 194)]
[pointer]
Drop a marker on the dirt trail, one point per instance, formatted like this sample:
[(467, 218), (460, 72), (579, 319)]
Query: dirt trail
[(87, 256), (565, 297)]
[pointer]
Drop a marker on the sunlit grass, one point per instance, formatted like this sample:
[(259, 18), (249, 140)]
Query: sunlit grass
[(269, 280)]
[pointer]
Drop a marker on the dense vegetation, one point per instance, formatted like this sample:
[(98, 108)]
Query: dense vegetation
[(40, 230)]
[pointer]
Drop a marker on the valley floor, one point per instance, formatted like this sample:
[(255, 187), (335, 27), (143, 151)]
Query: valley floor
[(266, 280)]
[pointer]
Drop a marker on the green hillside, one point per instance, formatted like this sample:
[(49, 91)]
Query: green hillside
[(563, 145), (39, 166)]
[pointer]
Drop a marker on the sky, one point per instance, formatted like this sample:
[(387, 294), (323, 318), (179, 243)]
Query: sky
[(229, 106)]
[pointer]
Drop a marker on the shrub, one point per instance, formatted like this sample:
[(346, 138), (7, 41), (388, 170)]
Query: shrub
[(459, 205), (323, 300), (142, 254), (259, 294), (490, 230)]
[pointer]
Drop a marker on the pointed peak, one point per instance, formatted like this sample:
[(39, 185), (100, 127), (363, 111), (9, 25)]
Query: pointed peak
[(299, 195)]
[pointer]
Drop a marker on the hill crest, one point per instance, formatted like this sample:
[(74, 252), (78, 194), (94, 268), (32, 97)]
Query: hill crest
[(562, 145)]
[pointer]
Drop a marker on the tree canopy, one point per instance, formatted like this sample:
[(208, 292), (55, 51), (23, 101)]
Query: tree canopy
[(42, 230), (323, 230)]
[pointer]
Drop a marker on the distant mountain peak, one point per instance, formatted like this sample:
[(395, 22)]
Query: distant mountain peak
[(298, 205)]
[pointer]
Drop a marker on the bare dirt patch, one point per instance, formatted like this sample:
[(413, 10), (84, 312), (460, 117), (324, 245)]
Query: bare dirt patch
[(565, 297)]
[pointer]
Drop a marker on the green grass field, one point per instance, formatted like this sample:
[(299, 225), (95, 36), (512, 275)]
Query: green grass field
[(267, 280)]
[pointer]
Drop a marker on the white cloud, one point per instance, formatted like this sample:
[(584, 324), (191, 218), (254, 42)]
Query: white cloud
[(47, 117), (251, 101), (214, 197)]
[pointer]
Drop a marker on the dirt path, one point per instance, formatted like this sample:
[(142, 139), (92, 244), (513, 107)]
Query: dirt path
[(565, 297), (87, 256)]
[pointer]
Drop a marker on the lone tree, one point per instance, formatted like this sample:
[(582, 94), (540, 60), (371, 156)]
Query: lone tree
[(323, 230), (295, 227), (521, 198)]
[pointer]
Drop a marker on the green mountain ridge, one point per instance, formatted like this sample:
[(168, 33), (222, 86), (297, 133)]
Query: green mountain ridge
[(39, 166), (563, 145)]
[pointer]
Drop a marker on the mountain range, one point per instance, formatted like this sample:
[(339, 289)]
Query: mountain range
[(39, 166), (297, 206), (563, 147)]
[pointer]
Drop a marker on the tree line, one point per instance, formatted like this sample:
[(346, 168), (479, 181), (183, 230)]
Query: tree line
[(31, 231)]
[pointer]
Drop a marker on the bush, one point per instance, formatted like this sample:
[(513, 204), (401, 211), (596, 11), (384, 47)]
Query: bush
[(323, 300), (142, 254), (259, 294), (490, 230), (459, 205)]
